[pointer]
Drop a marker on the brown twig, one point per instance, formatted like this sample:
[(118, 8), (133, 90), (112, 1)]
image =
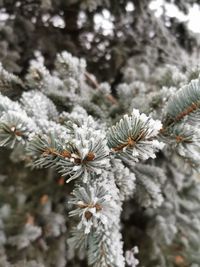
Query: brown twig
[(95, 85), (187, 111)]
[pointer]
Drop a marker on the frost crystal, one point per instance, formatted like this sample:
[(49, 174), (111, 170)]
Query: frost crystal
[(130, 257)]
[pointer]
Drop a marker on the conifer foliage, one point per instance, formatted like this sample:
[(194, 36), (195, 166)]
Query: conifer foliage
[(108, 160)]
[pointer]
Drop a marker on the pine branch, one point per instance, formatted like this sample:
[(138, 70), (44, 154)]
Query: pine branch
[(46, 151), (135, 136), (124, 178), (104, 162), (184, 105), (96, 85), (86, 152), (15, 127), (10, 84), (99, 213)]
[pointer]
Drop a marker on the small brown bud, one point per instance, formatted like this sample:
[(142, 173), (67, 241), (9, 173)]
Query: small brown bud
[(130, 142), (90, 156), (179, 138), (77, 160), (66, 154), (88, 215), (18, 133)]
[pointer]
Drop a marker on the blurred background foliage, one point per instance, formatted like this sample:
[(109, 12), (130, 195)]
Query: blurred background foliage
[(105, 32)]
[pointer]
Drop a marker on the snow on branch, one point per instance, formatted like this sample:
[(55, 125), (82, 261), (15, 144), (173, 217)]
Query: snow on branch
[(185, 104), (135, 136)]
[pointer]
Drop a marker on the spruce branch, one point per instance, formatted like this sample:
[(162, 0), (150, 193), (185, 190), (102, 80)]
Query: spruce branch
[(7, 104), (46, 150), (124, 178), (98, 207), (83, 153), (184, 105), (135, 136), (104, 162), (96, 85), (184, 140), (14, 128), (10, 84), (89, 154), (94, 205), (148, 192), (37, 105)]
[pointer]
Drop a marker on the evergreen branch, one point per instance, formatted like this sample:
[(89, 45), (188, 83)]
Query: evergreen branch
[(184, 140), (148, 184), (7, 104), (34, 101), (135, 136), (185, 104), (15, 127), (46, 150), (96, 85), (85, 153), (89, 154), (148, 192), (105, 166), (9, 83), (98, 251), (124, 178), (94, 205), (99, 213), (78, 240)]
